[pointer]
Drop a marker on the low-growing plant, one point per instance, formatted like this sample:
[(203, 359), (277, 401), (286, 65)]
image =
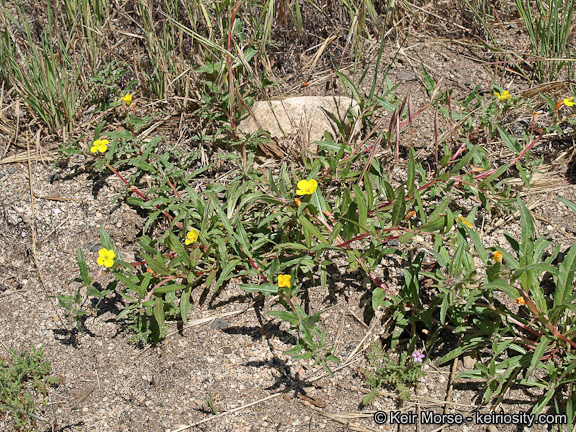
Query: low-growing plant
[(401, 374), (24, 381)]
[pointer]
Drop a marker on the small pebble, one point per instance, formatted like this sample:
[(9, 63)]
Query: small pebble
[(219, 324), (406, 75)]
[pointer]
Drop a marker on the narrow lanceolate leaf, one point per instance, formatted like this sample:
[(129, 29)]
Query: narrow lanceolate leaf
[(565, 285), (155, 265), (266, 289), (464, 161), (411, 170), (185, 306), (362, 207), (168, 288), (83, 269), (159, 310), (105, 240), (570, 205), (175, 244), (478, 245), (527, 223), (399, 208), (311, 229), (538, 354)]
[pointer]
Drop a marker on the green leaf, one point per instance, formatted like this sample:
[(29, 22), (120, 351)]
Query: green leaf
[(428, 80), (509, 140), (478, 245), (565, 284), (399, 209), (266, 288), (155, 265), (389, 191), (168, 288), (369, 191), (537, 355), (185, 306), (226, 273), (159, 310), (492, 176), (411, 170), (83, 269), (362, 207), (105, 240), (129, 284), (543, 267), (527, 224), (464, 161), (289, 317), (433, 225), (309, 228), (504, 286), (570, 204), (176, 245), (475, 343)]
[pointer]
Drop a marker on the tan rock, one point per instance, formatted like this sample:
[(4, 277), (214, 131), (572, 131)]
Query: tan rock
[(306, 116), (470, 360)]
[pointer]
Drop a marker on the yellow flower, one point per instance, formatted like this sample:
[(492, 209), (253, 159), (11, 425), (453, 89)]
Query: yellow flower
[(192, 236), (127, 99), (568, 101), (464, 221), (284, 281), (99, 146), (520, 301), (106, 257), (505, 95), (306, 187), (498, 257)]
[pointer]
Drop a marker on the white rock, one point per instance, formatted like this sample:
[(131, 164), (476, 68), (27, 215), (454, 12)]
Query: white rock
[(308, 116)]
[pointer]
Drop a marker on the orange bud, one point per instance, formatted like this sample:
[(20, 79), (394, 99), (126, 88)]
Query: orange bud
[(558, 105), (520, 301), (297, 201), (410, 214), (498, 256)]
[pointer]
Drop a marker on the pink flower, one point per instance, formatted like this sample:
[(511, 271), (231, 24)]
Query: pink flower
[(418, 356)]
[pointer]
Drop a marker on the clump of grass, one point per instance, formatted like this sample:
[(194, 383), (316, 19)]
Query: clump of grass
[(548, 31), (44, 72)]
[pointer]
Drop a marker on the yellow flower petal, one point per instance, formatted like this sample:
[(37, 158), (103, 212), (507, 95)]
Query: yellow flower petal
[(99, 146), (106, 257), (192, 236), (503, 96), (306, 187), (127, 99), (464, 221), (284, 281), (569, 101)]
